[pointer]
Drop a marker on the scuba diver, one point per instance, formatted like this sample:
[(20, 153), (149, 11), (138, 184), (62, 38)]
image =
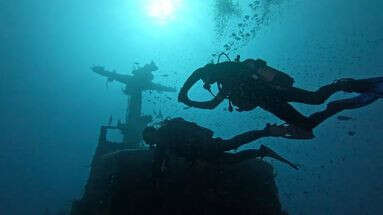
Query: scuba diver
[(184, 139), (252, 83)]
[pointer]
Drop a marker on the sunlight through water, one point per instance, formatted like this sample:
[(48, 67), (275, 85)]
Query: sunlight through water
[(162, 10)]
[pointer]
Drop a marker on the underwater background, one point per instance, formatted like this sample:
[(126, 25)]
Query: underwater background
[(52, 105)]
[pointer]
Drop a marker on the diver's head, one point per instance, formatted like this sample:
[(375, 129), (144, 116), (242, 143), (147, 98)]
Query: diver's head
[(150, 135)]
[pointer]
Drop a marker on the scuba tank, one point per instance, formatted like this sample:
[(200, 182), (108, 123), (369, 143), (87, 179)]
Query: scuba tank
[(266, 73), (269, 74)]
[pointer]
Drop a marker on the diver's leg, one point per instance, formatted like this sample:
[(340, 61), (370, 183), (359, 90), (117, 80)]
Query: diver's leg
[(368, 85), (232, 158), (289, 114), (240, 139), (294, 94), (343, 104)]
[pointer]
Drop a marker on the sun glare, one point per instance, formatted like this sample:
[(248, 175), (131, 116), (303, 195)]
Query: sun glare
[(162, 10)]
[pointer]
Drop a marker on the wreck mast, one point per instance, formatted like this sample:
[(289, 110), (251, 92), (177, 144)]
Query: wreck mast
[(141, 80)]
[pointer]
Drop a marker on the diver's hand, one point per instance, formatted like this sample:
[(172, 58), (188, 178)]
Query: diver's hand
[(276, 130)]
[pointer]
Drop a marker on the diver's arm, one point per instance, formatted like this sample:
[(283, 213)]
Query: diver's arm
[(207, 104), (193, 78), (183, 94)]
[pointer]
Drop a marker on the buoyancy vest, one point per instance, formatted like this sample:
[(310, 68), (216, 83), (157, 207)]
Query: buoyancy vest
[(269, 74)]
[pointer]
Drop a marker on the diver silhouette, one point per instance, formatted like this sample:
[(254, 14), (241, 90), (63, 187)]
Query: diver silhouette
[(251, 83), (188, 140)]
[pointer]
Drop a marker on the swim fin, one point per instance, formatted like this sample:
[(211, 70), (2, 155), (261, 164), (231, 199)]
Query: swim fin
[(267, 152), (368, 85), (359, 101), (374, 85), (374, 92)]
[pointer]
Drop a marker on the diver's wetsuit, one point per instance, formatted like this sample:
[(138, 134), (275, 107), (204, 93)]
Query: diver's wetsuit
[(200, 145), (245, 90)]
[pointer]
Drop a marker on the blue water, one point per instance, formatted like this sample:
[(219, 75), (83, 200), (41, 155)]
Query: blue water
[(52, 105)]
